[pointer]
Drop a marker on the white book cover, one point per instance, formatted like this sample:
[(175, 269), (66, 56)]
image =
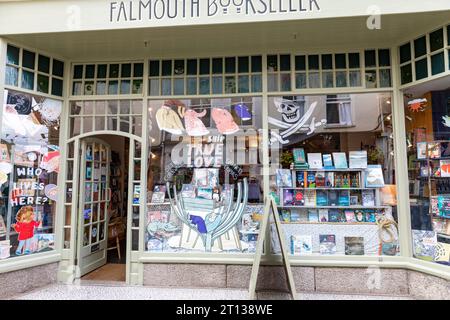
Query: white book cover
[(315, 160), (358, 159), (301, 244)]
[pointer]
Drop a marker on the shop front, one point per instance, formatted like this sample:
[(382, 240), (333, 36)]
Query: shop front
[(141, 143)]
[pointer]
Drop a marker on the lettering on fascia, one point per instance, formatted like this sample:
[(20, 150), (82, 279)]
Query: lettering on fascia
[(128, 11)]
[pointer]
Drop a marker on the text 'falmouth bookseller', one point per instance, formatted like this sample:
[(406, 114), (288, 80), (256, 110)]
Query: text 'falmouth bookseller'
[(124, 11)]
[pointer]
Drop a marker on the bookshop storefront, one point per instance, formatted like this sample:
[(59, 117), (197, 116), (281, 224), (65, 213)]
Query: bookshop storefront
[(142, 143)]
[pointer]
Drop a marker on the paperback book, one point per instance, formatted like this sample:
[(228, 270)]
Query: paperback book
[(313, 216), (284, 178), (327, 243), (285, 215), (368, 198), (323, 215), (332, 198), (299, 199), (299, 156), (327, 161), (315, 160), (358, 159), (374, 176), (350, 216), (334, 215), (301, 244), (320, 179), (354, 246), (424, 244), (340, 160), (329, 179), (288, 197), (321, 198), (311, 180), (301, 179), (310, 198), (344, 198), (187, 191)]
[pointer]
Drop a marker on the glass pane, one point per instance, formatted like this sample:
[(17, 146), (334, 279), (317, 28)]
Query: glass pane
[(353, 60), (272, 82), (355, 78), (370, 59), (100, 88), (405, 52), (75, 127), (313, 62), (285, 62), (420, 47), (86, 236), (154, 68), (178, 86), (101, 71), (341, 79), (314, 80), (217, 65), (137, 87), (244, 85), (204, 85), (406, 74), (27, 80), (191, 86), (100, 107), (44, 64), (125, 107), (88, 108), (437, 40), (384, 58), (113, 70), (28, 59), (89, 88), (78, 72), (340, 61), (12, 55), (230, 85), (77, 88), (421, 69), (112, 123), (87, 124), (256, 83), (230, 65), (166, 68), (204, 67), (113, 87), (300, 63), (102, 231), (138, 70), (217, 83), (166, 87), (125, 124), (385, 78), (125, 87), (126, 70), (89, 72), (256, 64), (371, 79), (12, 76), (243, 64), (178, 68), (437, 63), (300, 80), (99, 123), (285, 81), (42, 83), (272, 63), (448, 35), (327, 62), (57, 87), (154, 87), (192, 67), (58, 68), (113, 107), (137, 126), (327, 79), (136, 107)]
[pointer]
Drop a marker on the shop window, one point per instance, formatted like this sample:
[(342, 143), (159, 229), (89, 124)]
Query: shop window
[(27, 80), (436, 40), (30, 166), (437, 63), (421, 69), (12, 55), (420, 47), (428, 147), (205, 157), (44, 64), (405, 53), (406, 74), (332, 174), (28, 59)]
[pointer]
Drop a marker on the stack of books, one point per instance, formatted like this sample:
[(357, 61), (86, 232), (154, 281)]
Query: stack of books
[(299, 159)]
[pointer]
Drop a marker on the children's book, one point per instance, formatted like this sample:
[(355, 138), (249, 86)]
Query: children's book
[(200, 177), (313, 216), (299, 199), (358, 159), (321, 198), (368, 198), (350, 216), (424, 244), (323, 215), (370, 215), (295, 216), (374, 176), (299, 156), (285, 215), (340, 160), (354, 246), (187, 191), (315, 160), (311, 180), (301, 244), (344, 198), (421, 150), (434, 150), (327, 243), (334, 215), (310, 198), (327, 161), (332, 198), (320, 179), (329, 179), (159, 193), (288, 197), (301, 179), (445, 168), (284, 178), (359, 216)]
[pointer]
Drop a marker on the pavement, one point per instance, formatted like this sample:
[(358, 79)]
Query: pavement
[(106, 291)]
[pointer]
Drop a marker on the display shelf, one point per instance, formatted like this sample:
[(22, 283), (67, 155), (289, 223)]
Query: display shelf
[(334, 207), (326, 188), (443, 235), (332, 223), (331, 170)]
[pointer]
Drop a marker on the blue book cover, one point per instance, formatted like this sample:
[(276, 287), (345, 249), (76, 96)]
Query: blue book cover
[(284, 178), (313, 216), (299, 155), (334, 215), (340, 160), (321, 198), (344, 198), (327, 161)]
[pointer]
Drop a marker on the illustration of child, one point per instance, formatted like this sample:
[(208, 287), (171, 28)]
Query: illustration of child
[(25, 228)]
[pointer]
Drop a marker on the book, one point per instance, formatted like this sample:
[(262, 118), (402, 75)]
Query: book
[(340, 160), (276, 197), (313, 216), (137, 194), (299, 156), (358, 159), (288, 197), (301, 179), (359, 216), (332, 198), (445, 168), (354, 246), (323, 215), (334, 215), (321, 198), (389, 248), (344, 198), (187, 191), (200, 177), (368, 198), (327, 243), (315, 160), (443, 205), (213, 177), (301, 244), (354, 200), (370, 215), (424, 244), (284, 178), (329, 179), (374, 176), (349, 216), (295, 216), (311, 180), (205, 193), (421, 150), (310, 197), (327, 161), (285, 215), (299, 199), (434, 150), (355, 178), (320, 179)]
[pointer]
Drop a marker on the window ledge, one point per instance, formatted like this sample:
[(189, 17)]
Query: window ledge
[(34, 260)]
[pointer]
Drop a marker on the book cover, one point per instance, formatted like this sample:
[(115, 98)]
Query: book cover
[(213, 177), (200, 177), (424, 244), (354, 246), (389, 248), (299, 156), (313, 216), (434, 150), (443, 205), (358, 159), (368, 198), (359, 216), (421, 150), (327, 161), (285, 215), (354, 200), (295, 216), (311, 180), (332, 198), (340, 160), (334, 215), (327, 243), (301, 179), (288, 197), (445, 168), (355, 178), (187, 191), (310, 198), (284, 178), (349, 216), (136, 194), (321, 198), (374, 176), (344, 198), (205, 193), (370, 215), (299, 199), (315, 160), (329, 179), (301, 244), (320, 179), (323, 215)]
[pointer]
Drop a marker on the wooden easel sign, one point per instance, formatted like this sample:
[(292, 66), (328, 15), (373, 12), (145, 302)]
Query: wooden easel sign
[(271, 207)]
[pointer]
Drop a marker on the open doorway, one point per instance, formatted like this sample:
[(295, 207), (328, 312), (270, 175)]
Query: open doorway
[(103, 203)]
